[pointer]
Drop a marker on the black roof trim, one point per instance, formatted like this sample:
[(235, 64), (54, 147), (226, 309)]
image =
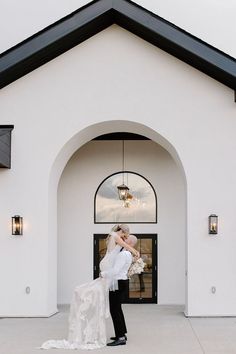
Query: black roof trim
[(98, 15)]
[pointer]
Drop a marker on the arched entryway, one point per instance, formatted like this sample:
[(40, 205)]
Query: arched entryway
[(69, 149)]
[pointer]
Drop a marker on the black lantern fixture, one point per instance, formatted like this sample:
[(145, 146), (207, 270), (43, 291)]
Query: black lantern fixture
[(17, 225), (213, 224), (123, 189)]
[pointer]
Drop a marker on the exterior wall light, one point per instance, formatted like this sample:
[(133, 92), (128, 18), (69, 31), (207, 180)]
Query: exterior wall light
[(213, 224), (17, 225)]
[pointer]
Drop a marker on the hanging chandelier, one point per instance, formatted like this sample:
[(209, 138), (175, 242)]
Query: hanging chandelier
[(123, 189)]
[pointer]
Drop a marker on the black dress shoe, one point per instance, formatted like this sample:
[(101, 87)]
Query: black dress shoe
[(117, 342), (115, 338)]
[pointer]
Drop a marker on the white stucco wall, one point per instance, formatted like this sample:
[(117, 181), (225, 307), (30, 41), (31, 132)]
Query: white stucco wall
[(116, 81), (211, 20), (84, 172)]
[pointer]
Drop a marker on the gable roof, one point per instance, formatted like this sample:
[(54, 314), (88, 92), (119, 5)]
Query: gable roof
[(98, 15)]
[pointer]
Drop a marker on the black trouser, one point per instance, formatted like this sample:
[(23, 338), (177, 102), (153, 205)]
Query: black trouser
[(116, 298)]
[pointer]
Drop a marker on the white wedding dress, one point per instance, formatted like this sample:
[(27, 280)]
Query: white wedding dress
[(90, 308)]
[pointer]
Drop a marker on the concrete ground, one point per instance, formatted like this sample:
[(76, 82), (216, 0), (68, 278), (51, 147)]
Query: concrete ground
[(151, 329)]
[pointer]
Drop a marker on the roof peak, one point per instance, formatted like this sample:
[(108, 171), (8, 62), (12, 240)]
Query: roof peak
[(97, 15)]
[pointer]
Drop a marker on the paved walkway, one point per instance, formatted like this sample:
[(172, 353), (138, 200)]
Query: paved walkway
[(152, 329)]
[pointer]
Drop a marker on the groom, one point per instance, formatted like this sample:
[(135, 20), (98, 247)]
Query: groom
[(122, 263)]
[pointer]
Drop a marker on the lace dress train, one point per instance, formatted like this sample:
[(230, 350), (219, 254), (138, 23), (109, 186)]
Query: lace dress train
[(87, 320), (89, 309)]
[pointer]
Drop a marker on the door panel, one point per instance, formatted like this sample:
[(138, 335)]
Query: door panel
[(142, 287)]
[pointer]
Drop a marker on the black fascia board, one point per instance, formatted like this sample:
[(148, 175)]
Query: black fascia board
[(100, 14)]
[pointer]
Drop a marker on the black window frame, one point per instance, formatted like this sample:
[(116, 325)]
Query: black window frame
[(126, 222)]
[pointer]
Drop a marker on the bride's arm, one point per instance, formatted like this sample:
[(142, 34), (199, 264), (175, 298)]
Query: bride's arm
[(122, 243)]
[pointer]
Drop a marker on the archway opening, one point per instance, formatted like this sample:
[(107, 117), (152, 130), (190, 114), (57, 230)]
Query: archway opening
[(75, 150)]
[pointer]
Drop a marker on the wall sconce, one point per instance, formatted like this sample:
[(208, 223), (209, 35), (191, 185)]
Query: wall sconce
[(213, 224), (17, 225)]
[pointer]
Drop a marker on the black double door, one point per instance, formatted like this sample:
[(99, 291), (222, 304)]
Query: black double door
[(142, 287)]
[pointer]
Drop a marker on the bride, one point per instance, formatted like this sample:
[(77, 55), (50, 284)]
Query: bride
[(90, 303)]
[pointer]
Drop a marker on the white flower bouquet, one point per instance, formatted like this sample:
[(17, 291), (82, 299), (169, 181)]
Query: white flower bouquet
[(136, 267)]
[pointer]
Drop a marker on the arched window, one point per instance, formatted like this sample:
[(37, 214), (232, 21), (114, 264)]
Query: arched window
[(139, 207)]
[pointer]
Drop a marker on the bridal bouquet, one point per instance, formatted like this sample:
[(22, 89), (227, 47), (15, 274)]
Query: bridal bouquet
[(136, 267)]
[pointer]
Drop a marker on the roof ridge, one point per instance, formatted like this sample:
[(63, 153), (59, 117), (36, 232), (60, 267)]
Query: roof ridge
[(97, 15)]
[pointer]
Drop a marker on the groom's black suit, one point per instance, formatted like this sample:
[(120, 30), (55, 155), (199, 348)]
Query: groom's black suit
[(117, 297)]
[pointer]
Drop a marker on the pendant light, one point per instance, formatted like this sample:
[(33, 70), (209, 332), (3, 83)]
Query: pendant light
[(123, 189)]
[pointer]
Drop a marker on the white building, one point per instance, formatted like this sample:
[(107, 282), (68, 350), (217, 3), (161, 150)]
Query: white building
[(115, 67)]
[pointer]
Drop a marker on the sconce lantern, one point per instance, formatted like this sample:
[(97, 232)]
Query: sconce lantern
[(17, 225), (213, 224)]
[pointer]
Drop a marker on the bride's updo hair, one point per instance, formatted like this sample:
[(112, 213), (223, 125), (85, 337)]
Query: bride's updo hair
[(123, 227)]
